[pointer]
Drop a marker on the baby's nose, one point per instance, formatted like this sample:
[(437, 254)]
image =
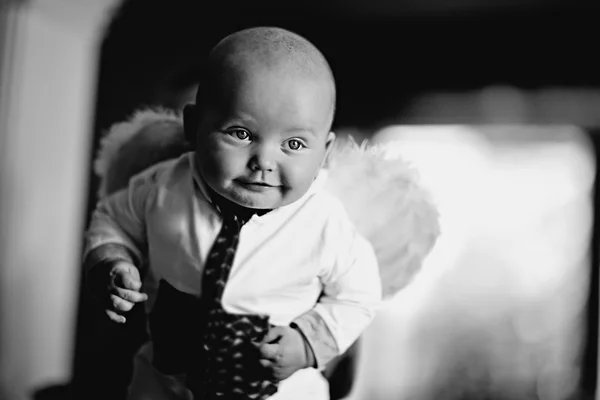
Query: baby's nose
[(263, 160)]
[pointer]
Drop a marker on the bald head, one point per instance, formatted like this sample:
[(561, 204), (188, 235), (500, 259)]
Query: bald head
[(238, 55)]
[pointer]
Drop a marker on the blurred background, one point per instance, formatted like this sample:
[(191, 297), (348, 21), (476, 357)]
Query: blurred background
[(497, 104)]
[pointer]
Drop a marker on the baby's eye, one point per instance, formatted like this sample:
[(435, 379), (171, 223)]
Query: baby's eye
[(295, 144), (240, 134)]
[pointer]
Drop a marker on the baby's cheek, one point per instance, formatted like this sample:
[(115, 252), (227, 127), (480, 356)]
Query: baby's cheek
[(217, 170), (300, 175)]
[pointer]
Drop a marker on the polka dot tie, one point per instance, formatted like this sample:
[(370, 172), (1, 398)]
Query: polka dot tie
[(228, 364)]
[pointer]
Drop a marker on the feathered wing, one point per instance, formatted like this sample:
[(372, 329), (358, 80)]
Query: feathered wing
[(385, 201), (382, 195), (147, 137)]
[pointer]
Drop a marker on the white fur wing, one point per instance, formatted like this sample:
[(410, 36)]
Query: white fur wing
[(384, 200), (130, 146)]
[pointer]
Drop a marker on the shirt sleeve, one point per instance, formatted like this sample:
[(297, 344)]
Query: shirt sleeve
[(350, 299), (118, 227)]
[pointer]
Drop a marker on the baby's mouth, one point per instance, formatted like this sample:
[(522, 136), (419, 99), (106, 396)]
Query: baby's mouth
[(257, 185)]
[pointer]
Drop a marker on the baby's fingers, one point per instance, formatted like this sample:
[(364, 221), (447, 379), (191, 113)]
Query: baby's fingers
[(273, 370), (275, 334), (120, 305), (132, 282), (270, 352), (267, 363), (115, 317), (131, 296), (129, 279)]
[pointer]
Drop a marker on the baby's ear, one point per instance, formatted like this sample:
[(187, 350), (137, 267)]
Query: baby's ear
[(329, 144), (190, 123)]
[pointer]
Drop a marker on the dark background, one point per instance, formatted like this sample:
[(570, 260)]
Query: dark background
[(383, 53)]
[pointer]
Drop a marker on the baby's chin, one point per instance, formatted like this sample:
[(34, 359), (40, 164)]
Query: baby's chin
[(255, 201), (260, 201)]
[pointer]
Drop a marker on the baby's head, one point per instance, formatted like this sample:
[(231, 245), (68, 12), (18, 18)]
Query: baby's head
[(262, 121)]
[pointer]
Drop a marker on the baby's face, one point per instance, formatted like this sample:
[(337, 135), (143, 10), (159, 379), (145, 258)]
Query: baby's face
[(263, 147)]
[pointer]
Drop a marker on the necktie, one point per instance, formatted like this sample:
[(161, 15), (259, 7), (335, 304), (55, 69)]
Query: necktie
[(228, 364)]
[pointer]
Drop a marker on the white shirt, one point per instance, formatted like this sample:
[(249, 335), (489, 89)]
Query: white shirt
[(284, 261)]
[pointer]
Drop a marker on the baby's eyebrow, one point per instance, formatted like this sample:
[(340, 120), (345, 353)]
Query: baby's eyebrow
[(243, 117), (297, 130), (240, 119), (235, 123)]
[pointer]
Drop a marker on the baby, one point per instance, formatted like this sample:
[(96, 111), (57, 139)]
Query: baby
[(256, 278)]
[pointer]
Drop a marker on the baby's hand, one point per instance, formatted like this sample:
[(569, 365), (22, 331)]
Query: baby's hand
[(122, 290), (283, 351)]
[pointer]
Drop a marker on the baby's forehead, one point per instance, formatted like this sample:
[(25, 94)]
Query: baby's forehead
[(264, 48), (280, 70), (246, 65), (275, 54), (244, 73)]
